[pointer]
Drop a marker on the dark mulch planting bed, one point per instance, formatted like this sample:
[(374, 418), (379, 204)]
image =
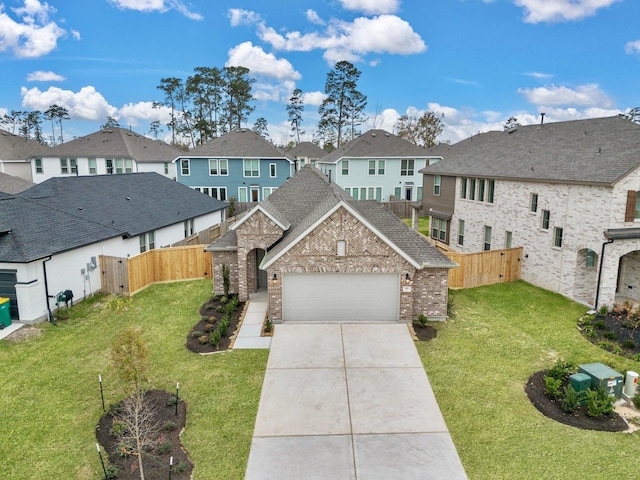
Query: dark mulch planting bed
[(613, 328), (535, 390), (156, 465), (209, 320), (424, 332)]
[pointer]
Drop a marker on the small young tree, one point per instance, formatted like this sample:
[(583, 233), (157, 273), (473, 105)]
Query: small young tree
[(130, 359)]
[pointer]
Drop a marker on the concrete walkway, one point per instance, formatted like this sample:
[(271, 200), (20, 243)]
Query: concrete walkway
[(6, 331), (251, 328), (348, 401)]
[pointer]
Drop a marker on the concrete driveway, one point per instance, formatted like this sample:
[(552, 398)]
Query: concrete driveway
[(349, 401)]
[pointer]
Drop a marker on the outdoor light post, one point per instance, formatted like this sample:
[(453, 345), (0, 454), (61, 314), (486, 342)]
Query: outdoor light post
[(101, 461), (170, 466), (101, 394), (177, 397)]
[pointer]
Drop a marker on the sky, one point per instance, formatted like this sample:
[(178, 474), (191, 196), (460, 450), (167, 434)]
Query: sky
[(477, 62)]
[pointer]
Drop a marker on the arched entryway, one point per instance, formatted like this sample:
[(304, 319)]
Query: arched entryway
[(628, 283), (586, 276), (256, 278)]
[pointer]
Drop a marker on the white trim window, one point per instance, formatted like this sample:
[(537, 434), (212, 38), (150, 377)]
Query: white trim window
[(242, 194), (344, 164), (439, 229), (546, 219), (39, 166), (533, 203), (216, 192), (407, 167), (185, 167), (557, 237), (68, 166), (93, 166), (108, 162), (460, 232), (437, 180), (147, 241), (189, 227), (273, 170), (365, 193), (266, 191), (487, 239), (508, 239), (251, 167)]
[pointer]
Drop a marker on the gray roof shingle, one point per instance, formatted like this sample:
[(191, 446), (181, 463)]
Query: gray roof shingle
[(594, 151), (10, 184), (309, 195), (14, 147), (65, 213), (238, 144), (307, 149), (116, 142), (376, 144)]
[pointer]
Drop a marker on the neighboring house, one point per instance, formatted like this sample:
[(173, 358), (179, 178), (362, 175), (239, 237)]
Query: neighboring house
[(567, 192), (306, 153), (108, 151), (239, 164), (377, 165), (15, 152), (324, 256), (11, 185), (51, 236)]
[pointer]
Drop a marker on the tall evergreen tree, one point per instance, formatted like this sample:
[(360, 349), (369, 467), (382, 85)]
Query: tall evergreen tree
[(344, 106), (260, 127), (237, 107), (294, 112)]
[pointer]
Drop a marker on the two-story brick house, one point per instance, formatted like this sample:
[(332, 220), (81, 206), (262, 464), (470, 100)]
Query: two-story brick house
[(566, 192), (238, 164)]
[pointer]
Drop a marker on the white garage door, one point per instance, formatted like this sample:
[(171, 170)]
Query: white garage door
[(340, 297)]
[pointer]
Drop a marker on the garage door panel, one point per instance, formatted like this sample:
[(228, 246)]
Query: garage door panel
[(341, 297)]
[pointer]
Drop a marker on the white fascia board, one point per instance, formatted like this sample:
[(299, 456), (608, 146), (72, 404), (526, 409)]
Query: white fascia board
[(330, 212), (252, 211)]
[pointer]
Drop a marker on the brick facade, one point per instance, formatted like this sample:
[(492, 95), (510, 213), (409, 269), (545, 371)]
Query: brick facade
[(231, 260)]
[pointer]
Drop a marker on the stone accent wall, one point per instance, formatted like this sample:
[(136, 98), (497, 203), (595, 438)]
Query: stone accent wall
[(258, 231), (365, 253), (231, 260)]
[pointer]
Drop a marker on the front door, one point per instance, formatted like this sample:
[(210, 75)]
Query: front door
[(254, 190), (260, 274), (408, 193)]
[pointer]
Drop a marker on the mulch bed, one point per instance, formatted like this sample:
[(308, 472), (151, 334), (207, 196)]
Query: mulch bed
[(209, 319), (616, 325), (425, 332), (549, 407), (155, 465)]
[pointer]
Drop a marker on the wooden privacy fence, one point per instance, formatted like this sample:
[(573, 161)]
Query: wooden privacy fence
[(401, 208), (205, 237), (127, 276), (485, 268)]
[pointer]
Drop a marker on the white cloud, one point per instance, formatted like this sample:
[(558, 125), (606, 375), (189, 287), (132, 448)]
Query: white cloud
[(539, 75), (313, 17), (238, 16), (34, 35), (75, 34), (133, 112), (583, 96), (632, 47), (161, 6), (261, 63), (86, 104), (42, 76), (351, 40), (561, 10), (371, 7), (313, 98)]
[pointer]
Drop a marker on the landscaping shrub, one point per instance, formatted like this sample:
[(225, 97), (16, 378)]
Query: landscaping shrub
[(561, 370), (630, 344), (610, 335), (603, 310), (203, 339), (196, 334), (168, 426), (421, 319), (571, 399), (611, 347), (164, 447), (599, 402), (214, 338), (112, 472), (180, 467), (268, 325), (636, 401), (118, 428), (552, 386), (600, 325)]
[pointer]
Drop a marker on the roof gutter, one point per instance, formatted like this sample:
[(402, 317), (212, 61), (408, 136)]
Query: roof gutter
[(609, 240), (46, 291)]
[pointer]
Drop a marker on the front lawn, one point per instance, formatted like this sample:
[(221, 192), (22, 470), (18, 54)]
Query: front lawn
[(478, 365), (50, 396)]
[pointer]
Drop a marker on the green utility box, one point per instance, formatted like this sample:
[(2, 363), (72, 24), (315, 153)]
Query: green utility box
[(581, 382), (604, 376), (5, 313)]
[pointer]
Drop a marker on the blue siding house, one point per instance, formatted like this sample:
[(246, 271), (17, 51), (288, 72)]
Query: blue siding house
[(377, 165), (238, 164)]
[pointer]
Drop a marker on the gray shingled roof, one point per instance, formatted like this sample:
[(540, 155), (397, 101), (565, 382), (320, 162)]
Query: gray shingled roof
[(14, 147), (376, 144), (596, 151), (308, 196), (116, 142), (10, 184), (65, 213), (238, 144), (307, 149)]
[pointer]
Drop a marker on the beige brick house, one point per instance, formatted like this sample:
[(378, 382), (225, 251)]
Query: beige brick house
[(324, 256)]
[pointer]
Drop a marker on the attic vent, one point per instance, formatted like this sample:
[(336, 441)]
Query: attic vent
[(387, 135), (373, 134), (512, 129)]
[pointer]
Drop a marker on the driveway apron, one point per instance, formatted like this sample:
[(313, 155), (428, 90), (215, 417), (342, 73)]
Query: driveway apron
[(348, 401)]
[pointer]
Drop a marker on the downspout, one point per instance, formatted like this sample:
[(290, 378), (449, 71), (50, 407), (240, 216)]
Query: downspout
[(610, 240), (46, 291)]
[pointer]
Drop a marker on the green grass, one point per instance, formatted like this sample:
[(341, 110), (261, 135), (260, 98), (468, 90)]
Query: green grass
[(423, 224), (478, 366), (50, 396)]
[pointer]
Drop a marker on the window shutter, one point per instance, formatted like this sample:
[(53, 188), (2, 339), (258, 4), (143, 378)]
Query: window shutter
[(630, 212)]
